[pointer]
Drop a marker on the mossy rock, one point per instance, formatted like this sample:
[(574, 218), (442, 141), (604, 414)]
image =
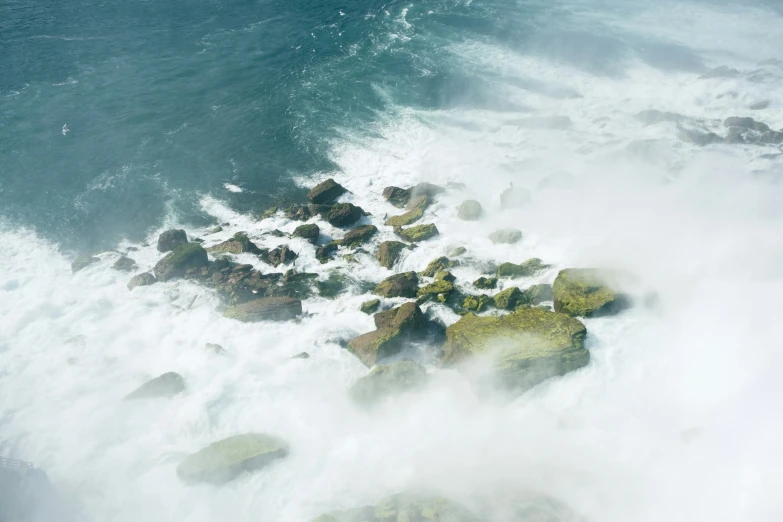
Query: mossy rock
[(326, 192), (398, 285), (83, 262), (506, 236), (438, 265), (584, 292), (358, 236), (433, 289), (308, 232), (386, 380), (525, 347), (458, 252), (298, 213), (529, 268), (167, 385), (377, 345), (266, 309), (268, 213), (445, 275), (514, 198), (225, 460), (405, 507), (405, 219), (470, 210), (143, 279), (334, 285), (477, 303), (397, 196), (486, 283), (325, 253), (419, 203), (238, 244), (418, 233), (389, 252), (344, 215), (370, 307), (509, 298), (180, 260), (408, 318), (281, 255), (538, 294), (171, 239)]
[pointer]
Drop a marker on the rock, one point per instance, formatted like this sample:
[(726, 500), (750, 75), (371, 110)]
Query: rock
[(405, 219), (514, 198), (509, 298), (477, 303), (398, 285), (166, 385), (458, 252), (702, 139), (268, 213), (435, 289), (524, 348), (746, 123), (171, 239), (386, 380), (332, 286), (344, 214), (215, 348), (308, 232), (758, 106), (225, 460), (376, 345), (426, 189), (266, 309), (358, 235), (418, 203), (486, 283), (528, 268), (298, 213), (438, 265), (326, 192), (180, 260), (771, 138), (281, 255), (418, 233), (216, 230), (445, 275), (125, 264), (83, 262), (585, 292), (301, 355), (275, 233), (406, 507), (538, 294), (238, 244), (470, 210), (397, 196), (389, 252), (506, 236), (325, 253), (143, 279), (408, 318), (370, 307)]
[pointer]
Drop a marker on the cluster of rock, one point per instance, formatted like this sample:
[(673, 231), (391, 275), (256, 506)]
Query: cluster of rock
[(739, 130)]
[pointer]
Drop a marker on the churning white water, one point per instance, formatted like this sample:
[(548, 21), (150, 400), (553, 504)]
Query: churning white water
[(676, 417)]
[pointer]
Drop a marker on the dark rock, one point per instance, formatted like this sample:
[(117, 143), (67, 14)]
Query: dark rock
[(376, 345), (83, 262), (308, 232), (143, 279), (216, 230), (332, 286), (171, 239), (125, 264), (166, 385), (397, 196), (509, 298), (275, 233), (326, 192), (746, 123), (405, 219), (266, 309), (514, 198), (398, 285), (387, 380), (701, 139), (238, 244), (528, 268), (301, 355), (587, 292), (298, 213), (470, 210), (538, 294), (438, 265), (370, 307), (344, 214), (486, 283), (281, 255), (408, 318), (180, 260), (389, 252), (358, 235), (325, 253), (418, 233), (426, 189)]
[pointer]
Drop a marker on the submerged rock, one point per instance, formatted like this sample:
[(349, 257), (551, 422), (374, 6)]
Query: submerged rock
[(438, 265), (746, 123), (238, 244), (281, 255), (506, 236), (445, 275), (171, 239), (458, 252), (470, 210), (359, 235), (166, 385), (83, 262), (326, 192), (418, 233), (225, 460), (405, 507), (266, 309), (298, 213), (180, 260), (309, 232), (387, 380), (143, 279), (486, 283), (405, 219), (524, 348), (528, 268), (325, 253), (398, 285), (397, 196), (435, 290), (514, 198), (344, 214), (370, 307), (125, 264), (585, 292), (389, 252)]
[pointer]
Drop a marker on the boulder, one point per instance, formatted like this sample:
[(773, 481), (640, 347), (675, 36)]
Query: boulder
[(238, 244), (83, 262), (538, 294), (435, 290), (387, 380), (506, 236), (298, 213), (266, 309), (325, 253), (529, 268), (344, 214), (125, 264), (438, 265), (524, 348), (408, 318), (397, 196), (445, 275), (405, 507), (585, 292), (418, 233), (143, 279), (746, 123), (470, 210), (405, 219), (309, 232), (171, 239), (358, 235), (514, 198), (225, 460), (376, 345), (398, 285), (281, 255), (166, 385), (509, 298), (477, 303), (268, 213), (333, 285), (486, 283), (326, 192), (458, 252), (177, 262), (370, 307), (389, 252), (426, 189)]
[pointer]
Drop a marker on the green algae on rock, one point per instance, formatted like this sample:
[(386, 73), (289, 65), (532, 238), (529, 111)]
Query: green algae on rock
[(143, 279), (445, 275), (538, 294), (265, 309), (509, 298), (370, 307), (180, 260), (405, 507), (326, 192), (408, 318), (458, 251), (397, 196), (387, 380), (238, 244), (402, 220), (225, 460), (325, 253), (585, 292), (529, 268), (389, 252), (358, 236), (344, 214), (435, 288), (399, 285), (309, 232), (438, 265), (171, 239), (166, 385), (477, 303), (486, 283), (418, 233), (376, 345), (505, 236)]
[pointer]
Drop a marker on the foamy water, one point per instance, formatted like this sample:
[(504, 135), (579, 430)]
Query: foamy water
[(674, 418)]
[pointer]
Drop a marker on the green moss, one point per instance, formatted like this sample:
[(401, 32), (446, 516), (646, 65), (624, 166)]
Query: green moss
[(359, 235), (437, 265), (584, 292), (405, 219), (370, 307), (477, 303), (398, 285), (418, 232), (509, 298), (445, 275), (437, 287), (486, 283), (528, 268), (376, 345), (389, 252), (458, 252)]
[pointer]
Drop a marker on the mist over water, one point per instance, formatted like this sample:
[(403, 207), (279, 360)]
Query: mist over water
[(673, 419)]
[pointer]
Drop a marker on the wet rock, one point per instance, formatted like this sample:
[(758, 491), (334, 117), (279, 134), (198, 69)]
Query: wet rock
[(506, 236), (509, 298), (408, 318), (419, 203), (266, 309), (585, 292), (405, 507), (438, 265), (275, 233), (746, 123), (125, 264), (528, 268), (458, 252), (538, 294), (225, 460), (470, 210), (333, 285), (397, 196), (281, 255), (166, 385), (180, 260), (83, 262), (398, 285), (386, 380), (524, 348), (405, 219), (438, 290), (238, 244), (514, 198), (376, 345), (344, 214), (309, 232), (370, 307), (418, 233), (358, 236), (486, 283), (298, 213), (426, 189), (445, 275), (325, 253), (143, 279), (171, 239), (215, 348), (758, 106), (701, 139), (477, 303), (389, 252), (326, 192), (301, 355), (268, 213)]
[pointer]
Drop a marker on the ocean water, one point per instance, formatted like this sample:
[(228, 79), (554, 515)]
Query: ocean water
[(118, 121)]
